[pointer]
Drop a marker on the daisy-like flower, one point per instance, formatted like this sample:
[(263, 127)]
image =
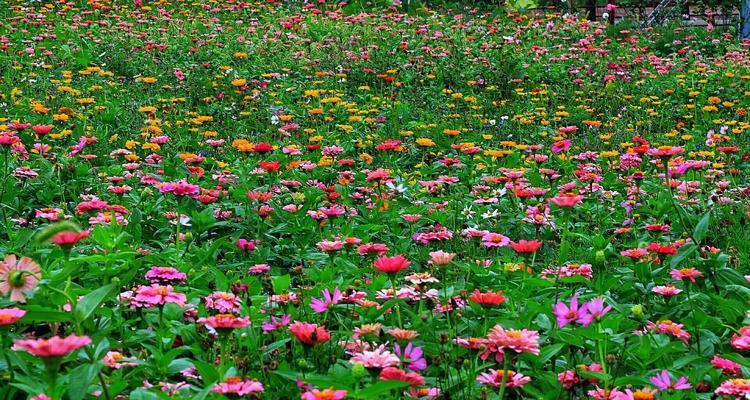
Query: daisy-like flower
[(494, 378), (663, 381), (412, 356), (393, 373), (491, 239), (309, 334), (520, 341), (734, 388), (328, 301), (564, 314), (666, 290), (225, 321), (488, 298), (238, 386), (441, 258), (592, 311), (9, 316), (55, 346), (326, 394), (686, 273), (566, 200), (18, 277), (223, 302), (165, 275), (377, 358)]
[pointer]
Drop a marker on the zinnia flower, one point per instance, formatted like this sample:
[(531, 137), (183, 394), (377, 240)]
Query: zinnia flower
[(392, 373), (526, 246), (225, 321), (309, 334), (237, 386), (664, 382), (494, 378), (18, 277), (55, 346), (567, 200), (488, 298), (520, 341), (391, 265), (326, 394), (9, 316)]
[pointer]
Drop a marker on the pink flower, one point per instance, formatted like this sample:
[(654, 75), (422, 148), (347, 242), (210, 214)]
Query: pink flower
[(156, 295), (494, 378), (9, 316), (727, 367), (114, 359), (737, 388), (55, 346), (666, 290), (592, 311), (491, 239), (165, 275), (237, 386), (378, 358), (223, 302), (18, 277), (665, 151), (179, 188), (664, 382), (326, 394), (275, 324), (686, 273), (391, 265), (566, 200), (225, 321), (244, 244), (565, 314), (320, 306), (520, 341), (562, 145)]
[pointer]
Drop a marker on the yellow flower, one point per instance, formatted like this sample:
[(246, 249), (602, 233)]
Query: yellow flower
[(425, 142), (149, 80)]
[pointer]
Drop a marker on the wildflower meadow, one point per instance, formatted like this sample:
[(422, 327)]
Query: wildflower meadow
[(225, 199)]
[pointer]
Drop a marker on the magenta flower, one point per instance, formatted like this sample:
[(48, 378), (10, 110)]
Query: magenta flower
[(412, 356), (565, 314), (321, 306), (664, 382), (592, 311)]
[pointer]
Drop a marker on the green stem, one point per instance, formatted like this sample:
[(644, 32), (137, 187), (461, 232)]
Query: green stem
[(506, 364), (397, 306)]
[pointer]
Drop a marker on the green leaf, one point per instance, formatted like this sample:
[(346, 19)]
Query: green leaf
[(81, 379), (281, 283), (702, 227), (42, 314), (92, 301), (379, 389), (683, 253)]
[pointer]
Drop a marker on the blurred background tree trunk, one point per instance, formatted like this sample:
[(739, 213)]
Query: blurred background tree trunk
[(745, 20)]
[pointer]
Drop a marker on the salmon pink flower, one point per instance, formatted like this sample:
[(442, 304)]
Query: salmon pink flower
[(441, 258), (68, 239), (55, 346), (488, 298), (377, 358), (520, 341), (309, 334), (526, 246)]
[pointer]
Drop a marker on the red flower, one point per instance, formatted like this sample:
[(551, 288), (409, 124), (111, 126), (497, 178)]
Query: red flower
[(271, 166), (488, 298), (391, 265), (262, 148), (661, 249)]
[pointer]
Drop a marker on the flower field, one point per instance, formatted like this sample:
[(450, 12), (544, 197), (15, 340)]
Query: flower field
[(228, 199)]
